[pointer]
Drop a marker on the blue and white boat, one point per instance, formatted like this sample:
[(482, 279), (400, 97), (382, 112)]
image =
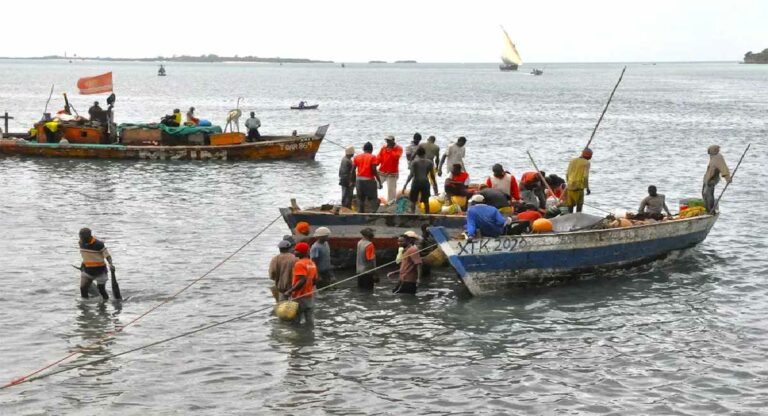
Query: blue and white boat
[(490, 266)]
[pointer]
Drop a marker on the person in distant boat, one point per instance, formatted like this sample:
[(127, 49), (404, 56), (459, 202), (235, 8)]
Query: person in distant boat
[(715, 169), (389, 166), (652, 205), (281, 269), (303, 284), (51, 130), (191, 119), (366, 260), (301, 104), (410, 150), (503, 181), (410, 264), (458, 183), (366, 178), (577, 180), (253, 124), (320, 253), (172, 120), (455, 154), (96, 113), (483, 219), (422, 173), (94, 266), (347, 177)]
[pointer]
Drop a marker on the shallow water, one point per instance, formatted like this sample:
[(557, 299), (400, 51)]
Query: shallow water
[(682, 336)]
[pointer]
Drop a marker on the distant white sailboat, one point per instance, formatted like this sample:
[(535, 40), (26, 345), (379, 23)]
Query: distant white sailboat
[(509, 56)]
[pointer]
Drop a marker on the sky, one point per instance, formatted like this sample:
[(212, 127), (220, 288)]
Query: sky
[(359, 31)]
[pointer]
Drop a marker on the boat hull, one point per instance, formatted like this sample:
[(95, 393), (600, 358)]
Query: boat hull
[(491, 266), (277, 147), (345, 230), (505, 67), (306, 107)]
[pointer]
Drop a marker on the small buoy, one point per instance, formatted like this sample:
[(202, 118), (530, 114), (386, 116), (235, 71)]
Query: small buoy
[(542, 225), (459, 200), (287, 310), (435, 205)]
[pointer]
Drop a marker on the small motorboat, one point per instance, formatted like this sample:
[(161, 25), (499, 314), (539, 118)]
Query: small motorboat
[(303, 106), (537, 71)]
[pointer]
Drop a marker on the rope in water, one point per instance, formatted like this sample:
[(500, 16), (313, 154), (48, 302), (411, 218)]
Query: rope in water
[(35, 377), (119, 329)]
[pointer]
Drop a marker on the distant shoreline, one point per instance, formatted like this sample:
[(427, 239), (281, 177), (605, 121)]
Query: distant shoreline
[(184, 58)]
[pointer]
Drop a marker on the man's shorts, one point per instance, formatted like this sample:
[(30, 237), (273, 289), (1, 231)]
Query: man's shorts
[(574, 197), (87, 279)]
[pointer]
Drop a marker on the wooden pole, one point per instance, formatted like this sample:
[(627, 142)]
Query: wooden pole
[(6, 118), (714, 208), (49, 100), (538, 172), (606, 108)]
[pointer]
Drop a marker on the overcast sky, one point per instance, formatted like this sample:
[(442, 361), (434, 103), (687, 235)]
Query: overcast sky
[(359, 31)]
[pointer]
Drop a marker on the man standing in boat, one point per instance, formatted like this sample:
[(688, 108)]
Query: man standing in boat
[(422, 173), (347, 177), (715, 169), (577, 180), (455, 154), (366, 178), (410, 150), (432, 151), (389, 166), (253, 124), (94, 266)]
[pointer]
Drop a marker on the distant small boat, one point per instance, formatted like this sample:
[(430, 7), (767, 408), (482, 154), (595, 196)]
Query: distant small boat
[(305, 107), (161, 71), (509, 57), (537, 71)]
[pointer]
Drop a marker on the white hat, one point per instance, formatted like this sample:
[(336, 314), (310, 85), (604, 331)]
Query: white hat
[(410, 234), (322, 232), (477, 198), (349, 150)]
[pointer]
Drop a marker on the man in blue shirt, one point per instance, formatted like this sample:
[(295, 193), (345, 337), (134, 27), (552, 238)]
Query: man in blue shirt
[(483, 218)]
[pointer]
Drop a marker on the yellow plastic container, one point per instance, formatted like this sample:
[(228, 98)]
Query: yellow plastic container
[(287, 310), (223, 139)]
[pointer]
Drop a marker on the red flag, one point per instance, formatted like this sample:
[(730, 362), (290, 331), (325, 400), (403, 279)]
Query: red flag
[(95, 85)]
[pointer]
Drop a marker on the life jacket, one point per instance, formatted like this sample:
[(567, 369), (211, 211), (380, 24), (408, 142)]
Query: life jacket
[(529, 178), (502, 184)]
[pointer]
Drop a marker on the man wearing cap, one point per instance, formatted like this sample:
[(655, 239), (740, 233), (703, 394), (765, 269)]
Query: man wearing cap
[(347, 177), (281, 269), (365, 260), (504, 182), (577, 180), (715, 169), (302, 232), (454, 154), (482, 218), (366, 178), (410, 264), (321, 256), (303, 284), (389, 166)]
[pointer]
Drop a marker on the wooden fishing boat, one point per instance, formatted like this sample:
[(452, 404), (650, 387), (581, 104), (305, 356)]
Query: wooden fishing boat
[(345, 229), (269, 147), (510, 58), (306, 107), (491, 266)]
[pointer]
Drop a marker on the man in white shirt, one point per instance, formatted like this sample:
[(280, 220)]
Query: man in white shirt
[(454, 155), (253, 124)]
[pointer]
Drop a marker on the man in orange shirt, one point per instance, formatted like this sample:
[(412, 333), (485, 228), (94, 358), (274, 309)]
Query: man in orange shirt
[(304, 277), (366, 178), (389, 166)]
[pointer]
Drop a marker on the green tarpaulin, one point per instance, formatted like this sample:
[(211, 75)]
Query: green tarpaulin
[(173, 131)]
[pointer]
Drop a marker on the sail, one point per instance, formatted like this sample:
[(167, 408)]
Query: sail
[(509, 55)]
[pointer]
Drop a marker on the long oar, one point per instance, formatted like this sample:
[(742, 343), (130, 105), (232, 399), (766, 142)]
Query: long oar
[(606, 108), (115, 286), (732, 175), (538, 172), (49, 100)]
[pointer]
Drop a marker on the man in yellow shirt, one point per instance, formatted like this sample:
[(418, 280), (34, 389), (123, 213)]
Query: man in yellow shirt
[(577, 180)]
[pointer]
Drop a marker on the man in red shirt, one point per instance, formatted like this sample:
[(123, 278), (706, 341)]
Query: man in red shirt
[(389, 166), (410, 264), (504, 182), (366, 178), (304, 277)]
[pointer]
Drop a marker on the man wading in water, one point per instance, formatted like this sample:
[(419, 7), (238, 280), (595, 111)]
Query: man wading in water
[(302, 291), (93, 267)]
